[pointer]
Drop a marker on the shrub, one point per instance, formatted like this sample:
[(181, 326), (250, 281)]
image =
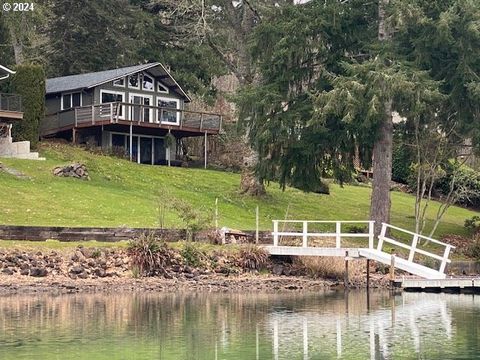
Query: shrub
[(253, 257), (29, 82), (473, 224), (474, 248), (192, 218), (149, 255), (192, 255)]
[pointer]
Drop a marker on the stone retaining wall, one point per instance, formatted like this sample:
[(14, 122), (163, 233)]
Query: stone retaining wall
[(41, 233)]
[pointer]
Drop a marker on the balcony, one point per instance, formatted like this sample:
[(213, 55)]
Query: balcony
[(147, 116), (10, 108)]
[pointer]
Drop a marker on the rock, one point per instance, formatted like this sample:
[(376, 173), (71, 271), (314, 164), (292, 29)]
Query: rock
[(25, 272), (7, 271), (83, 275), (77, 269), (38, 272), (100, 272), (277, 269)]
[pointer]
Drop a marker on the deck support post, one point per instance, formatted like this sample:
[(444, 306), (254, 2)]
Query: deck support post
[(131, 142), (205, 153), (368, 274), (74, 135), (256, 225)]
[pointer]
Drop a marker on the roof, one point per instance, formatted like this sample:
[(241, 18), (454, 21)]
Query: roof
[(90, 80), (5, 72)]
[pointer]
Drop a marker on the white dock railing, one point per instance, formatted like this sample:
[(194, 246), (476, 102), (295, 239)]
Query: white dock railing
[(338, 234), (382, 238)]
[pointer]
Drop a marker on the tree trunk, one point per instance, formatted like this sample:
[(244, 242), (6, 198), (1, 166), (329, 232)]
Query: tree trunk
[(382, 171), (250, 184), (383, 146), (17, 47)]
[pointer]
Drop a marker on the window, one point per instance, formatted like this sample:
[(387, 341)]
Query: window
[(169, 116), (162, 88), (107, 96), (71, 100), (147, 83), (119, 82), (134, 81)]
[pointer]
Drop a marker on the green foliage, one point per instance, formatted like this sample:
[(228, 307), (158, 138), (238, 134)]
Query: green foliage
[(192, 254), (473, 223), (149, 255), (473, 249), (194, 219), (466, 181), (29, 83)]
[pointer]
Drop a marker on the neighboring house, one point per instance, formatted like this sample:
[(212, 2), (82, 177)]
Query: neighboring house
[(10, 113), (133, 109)]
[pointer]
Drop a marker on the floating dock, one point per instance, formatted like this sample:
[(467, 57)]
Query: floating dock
[(454, 285)]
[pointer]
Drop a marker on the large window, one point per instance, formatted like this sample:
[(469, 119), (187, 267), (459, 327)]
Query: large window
[(148, 82), (71, 100), (107, 96), (168, 116)]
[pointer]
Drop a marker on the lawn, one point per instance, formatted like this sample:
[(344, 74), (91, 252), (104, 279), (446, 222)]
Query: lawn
[(121, 193)]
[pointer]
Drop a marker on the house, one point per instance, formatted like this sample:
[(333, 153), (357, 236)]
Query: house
[(10, 113), (139, 110)]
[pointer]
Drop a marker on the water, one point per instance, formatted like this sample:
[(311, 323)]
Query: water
[(249, 326)]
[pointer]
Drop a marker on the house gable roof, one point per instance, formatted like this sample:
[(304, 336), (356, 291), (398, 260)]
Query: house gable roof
[(90, 80)]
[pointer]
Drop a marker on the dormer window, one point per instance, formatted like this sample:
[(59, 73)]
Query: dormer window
[(119, 82), (148, 82), (134, 81), (162, 88)]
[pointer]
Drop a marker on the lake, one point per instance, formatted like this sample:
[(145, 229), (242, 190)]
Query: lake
[(330, 325)]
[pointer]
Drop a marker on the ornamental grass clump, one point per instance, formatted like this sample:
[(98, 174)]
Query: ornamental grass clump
[(252, 257), (149, 255)]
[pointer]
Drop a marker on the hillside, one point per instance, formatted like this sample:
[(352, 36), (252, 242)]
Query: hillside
[(124, 193)]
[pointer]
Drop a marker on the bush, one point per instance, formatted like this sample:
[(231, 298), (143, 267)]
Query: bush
[(193, 219), (192, 255), (149, 255), (472, 224), (467, 178), (253, 257), (29, 82)]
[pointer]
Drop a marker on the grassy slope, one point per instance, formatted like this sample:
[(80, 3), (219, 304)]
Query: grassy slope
[(124, 193)]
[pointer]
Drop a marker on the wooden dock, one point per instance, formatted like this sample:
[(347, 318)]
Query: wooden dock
[(454, 285)]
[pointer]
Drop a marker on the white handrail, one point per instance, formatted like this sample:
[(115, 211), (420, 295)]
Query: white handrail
[(338, 234), (413, 247)]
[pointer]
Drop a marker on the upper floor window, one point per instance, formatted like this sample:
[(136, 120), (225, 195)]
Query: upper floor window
[(71, 100), (162, 88), (119, 82), (148, 82), (134, 81)]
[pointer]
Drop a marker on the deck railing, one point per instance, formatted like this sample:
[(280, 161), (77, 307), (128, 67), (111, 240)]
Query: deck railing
[(413, 249), (10, 102), (338, 234), (145, 114)]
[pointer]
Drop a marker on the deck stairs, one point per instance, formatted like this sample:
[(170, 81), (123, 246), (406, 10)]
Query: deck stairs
[(370, 251)]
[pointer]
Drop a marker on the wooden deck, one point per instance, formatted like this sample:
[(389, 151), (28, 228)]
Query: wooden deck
[(10, 108)]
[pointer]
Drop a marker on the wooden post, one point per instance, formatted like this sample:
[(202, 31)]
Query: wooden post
[(216, 213), (256, 225), (413, 248), (338, 229), (275, 232), (131, 142), (445, 259), (205, 142), (93, 114), (74, 135), (368, 274), (371, 236), (381, 237), (346, 269), (392, 268), (305, 236)]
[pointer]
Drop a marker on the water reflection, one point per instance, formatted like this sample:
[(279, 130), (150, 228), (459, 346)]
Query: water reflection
[(240, 326)]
